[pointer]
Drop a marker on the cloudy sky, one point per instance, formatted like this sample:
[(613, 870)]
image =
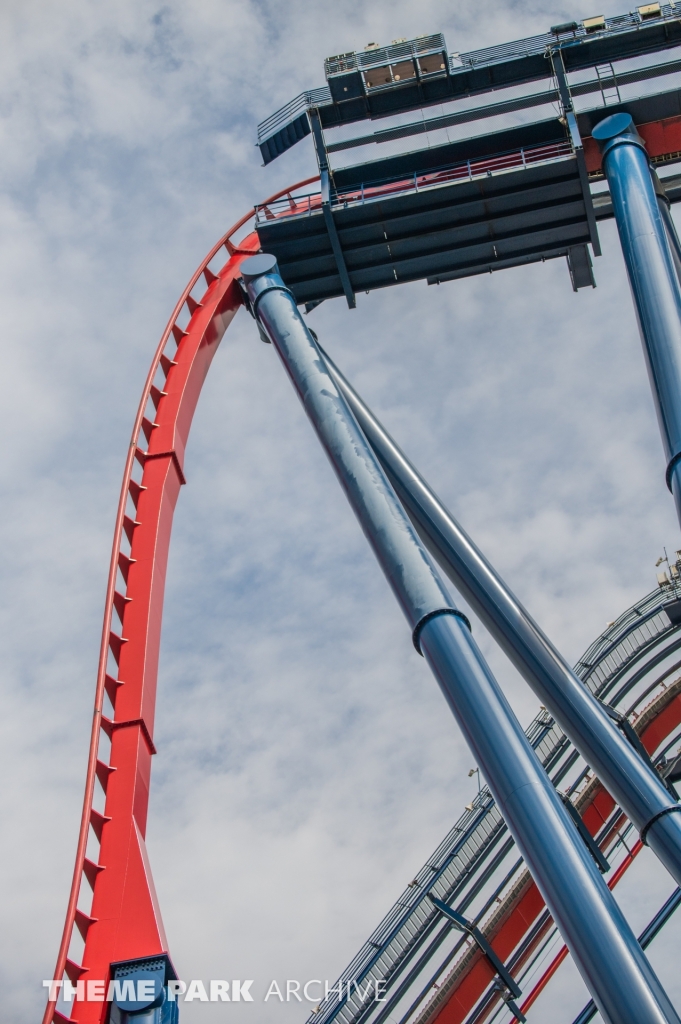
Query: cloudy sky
[(307, 765)]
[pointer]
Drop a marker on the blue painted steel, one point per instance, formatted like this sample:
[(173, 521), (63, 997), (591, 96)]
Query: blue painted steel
[(464, 925), (612, 963), (562, 868), (652, 275), (405, 949), (634, 785), (645, 938), (408, 568), (670, 227), (141, 993)]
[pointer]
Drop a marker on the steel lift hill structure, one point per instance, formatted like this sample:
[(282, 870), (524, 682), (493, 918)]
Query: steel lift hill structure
[(527, 873)]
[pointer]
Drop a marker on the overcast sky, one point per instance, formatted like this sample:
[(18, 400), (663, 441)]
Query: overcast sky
[(307, 765)]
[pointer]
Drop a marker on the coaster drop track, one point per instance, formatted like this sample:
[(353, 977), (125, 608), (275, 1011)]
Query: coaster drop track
[(124, 921)]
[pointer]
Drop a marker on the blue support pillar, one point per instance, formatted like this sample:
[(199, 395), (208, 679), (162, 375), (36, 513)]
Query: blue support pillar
[(664, 206), (633, 783), (652, 275), (621, 980)]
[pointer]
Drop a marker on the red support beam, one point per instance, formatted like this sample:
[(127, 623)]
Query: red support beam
[(126, 921)]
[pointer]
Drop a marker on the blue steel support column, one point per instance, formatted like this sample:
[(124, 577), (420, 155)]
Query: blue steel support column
[(621, 980), (652, 275), (664, 207), (634, 785)]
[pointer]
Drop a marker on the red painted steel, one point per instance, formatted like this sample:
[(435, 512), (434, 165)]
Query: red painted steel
[(662, 139), (525, 912), (510, 932), (124, 920)]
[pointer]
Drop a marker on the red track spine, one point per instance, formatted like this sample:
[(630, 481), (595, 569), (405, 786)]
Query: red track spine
[(124, 920)]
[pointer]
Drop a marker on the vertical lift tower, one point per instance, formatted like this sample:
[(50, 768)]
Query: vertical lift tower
[(480, 202)]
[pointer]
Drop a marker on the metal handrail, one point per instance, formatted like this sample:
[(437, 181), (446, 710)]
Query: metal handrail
[(303, 101), (366, 192)]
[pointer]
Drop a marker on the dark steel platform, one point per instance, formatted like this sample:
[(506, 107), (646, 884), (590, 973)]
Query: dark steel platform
[(466, 220), (478, 204)]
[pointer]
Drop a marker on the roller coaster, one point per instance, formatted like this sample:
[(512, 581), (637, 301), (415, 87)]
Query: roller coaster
[(524, 878)]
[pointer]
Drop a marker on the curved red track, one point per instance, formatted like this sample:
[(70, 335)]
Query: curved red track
[(123, 921)]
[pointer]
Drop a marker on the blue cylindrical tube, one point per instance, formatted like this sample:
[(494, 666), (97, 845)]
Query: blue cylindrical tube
[(542, 831), (635, 786), (652, 275), (605, 949), (406, 565), (665, 212)]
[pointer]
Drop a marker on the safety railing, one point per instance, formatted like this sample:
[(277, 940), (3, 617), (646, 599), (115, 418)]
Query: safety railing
[(289, 112), (538, 44), (608, 657), (468, 170)]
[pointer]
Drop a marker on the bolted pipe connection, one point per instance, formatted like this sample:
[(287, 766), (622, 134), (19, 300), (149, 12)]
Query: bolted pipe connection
[(635, 785)]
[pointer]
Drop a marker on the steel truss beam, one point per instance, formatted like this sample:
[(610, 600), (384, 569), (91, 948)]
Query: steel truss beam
[(466, 926)]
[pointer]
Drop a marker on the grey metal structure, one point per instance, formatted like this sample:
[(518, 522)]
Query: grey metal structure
[(470, 205), (355, 92), (621, 981)]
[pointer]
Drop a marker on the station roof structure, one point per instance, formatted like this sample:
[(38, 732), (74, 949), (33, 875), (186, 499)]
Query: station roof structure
[(483, 201)]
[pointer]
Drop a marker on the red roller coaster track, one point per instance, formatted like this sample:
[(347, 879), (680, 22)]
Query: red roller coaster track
[(124, 920)]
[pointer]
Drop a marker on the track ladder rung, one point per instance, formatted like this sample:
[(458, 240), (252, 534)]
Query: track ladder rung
[(83, 922), (73, 971), (91, 870)]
